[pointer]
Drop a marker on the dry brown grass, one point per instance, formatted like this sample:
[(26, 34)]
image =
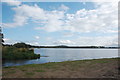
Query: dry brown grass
[(99, 68)]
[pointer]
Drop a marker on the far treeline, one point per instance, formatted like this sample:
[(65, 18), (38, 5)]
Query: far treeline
[(62, 46), (24, 45)]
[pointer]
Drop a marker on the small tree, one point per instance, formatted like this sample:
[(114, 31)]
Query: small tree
[(22, 45), (1, 36)]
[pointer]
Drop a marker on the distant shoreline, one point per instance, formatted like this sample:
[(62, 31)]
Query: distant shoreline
[(76, 47), (24, 45), (90, 47)]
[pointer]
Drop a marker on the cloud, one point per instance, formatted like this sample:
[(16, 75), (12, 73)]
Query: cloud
[(63, 7), (63, 42), (104, 0), (98, 41), (13, 2), (53, 22), (23, 13), (68, 34), (47, 18), (6, 39), (33, 43), (37, 37), (90, 41), (101, 19), (49, 38), (19, 20), (9, 41)]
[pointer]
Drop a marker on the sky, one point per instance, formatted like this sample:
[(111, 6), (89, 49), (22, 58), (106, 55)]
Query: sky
[(60, 23)]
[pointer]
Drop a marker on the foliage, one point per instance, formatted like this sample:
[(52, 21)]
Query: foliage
[(1, 36), (22, 45), (13, 53)]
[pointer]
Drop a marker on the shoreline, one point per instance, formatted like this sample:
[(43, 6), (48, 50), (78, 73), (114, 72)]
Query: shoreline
[(62, 61), (92, 68), (73, 48)]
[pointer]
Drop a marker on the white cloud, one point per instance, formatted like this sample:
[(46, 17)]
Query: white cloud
[(9, 41), (98, 41), (111, 31), (68, 34), (54, 21), (49, 38), (101, 19), (63, 42), (23, 13), (63, 7), (104, 0), (90, 41), (37, 37), (104, 18), (19, 20), (50, 19), (6, 39), (33, 43), (13, 2)]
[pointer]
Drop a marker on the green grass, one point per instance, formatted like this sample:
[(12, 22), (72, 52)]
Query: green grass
[(31, 69), (9, 72), (23, 70), (101, 61), (29, 74), (39, 70), (56, 64)]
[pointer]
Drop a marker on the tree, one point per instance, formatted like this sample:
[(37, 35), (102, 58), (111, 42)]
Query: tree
[(1, 36), (21, 45)]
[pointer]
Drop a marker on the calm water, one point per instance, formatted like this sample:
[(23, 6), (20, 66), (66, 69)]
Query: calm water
[(63, 54)]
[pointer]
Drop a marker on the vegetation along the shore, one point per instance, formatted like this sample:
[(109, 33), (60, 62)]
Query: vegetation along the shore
[(18, 51)]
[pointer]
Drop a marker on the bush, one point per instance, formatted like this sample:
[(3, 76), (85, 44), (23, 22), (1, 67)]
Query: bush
[(22, 45), (13, 53)]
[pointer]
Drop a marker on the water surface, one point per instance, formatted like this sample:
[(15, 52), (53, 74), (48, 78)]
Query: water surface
[(65, 54)]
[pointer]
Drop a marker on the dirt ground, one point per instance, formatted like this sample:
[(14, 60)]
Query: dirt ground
[(98, 68)]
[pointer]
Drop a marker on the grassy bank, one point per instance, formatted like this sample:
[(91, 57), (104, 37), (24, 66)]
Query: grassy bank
[(69, 69)]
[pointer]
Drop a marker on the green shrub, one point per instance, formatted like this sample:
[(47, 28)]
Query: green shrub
[(13, 53)]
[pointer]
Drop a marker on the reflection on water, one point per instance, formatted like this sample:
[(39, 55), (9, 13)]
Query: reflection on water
[(63, 54)]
